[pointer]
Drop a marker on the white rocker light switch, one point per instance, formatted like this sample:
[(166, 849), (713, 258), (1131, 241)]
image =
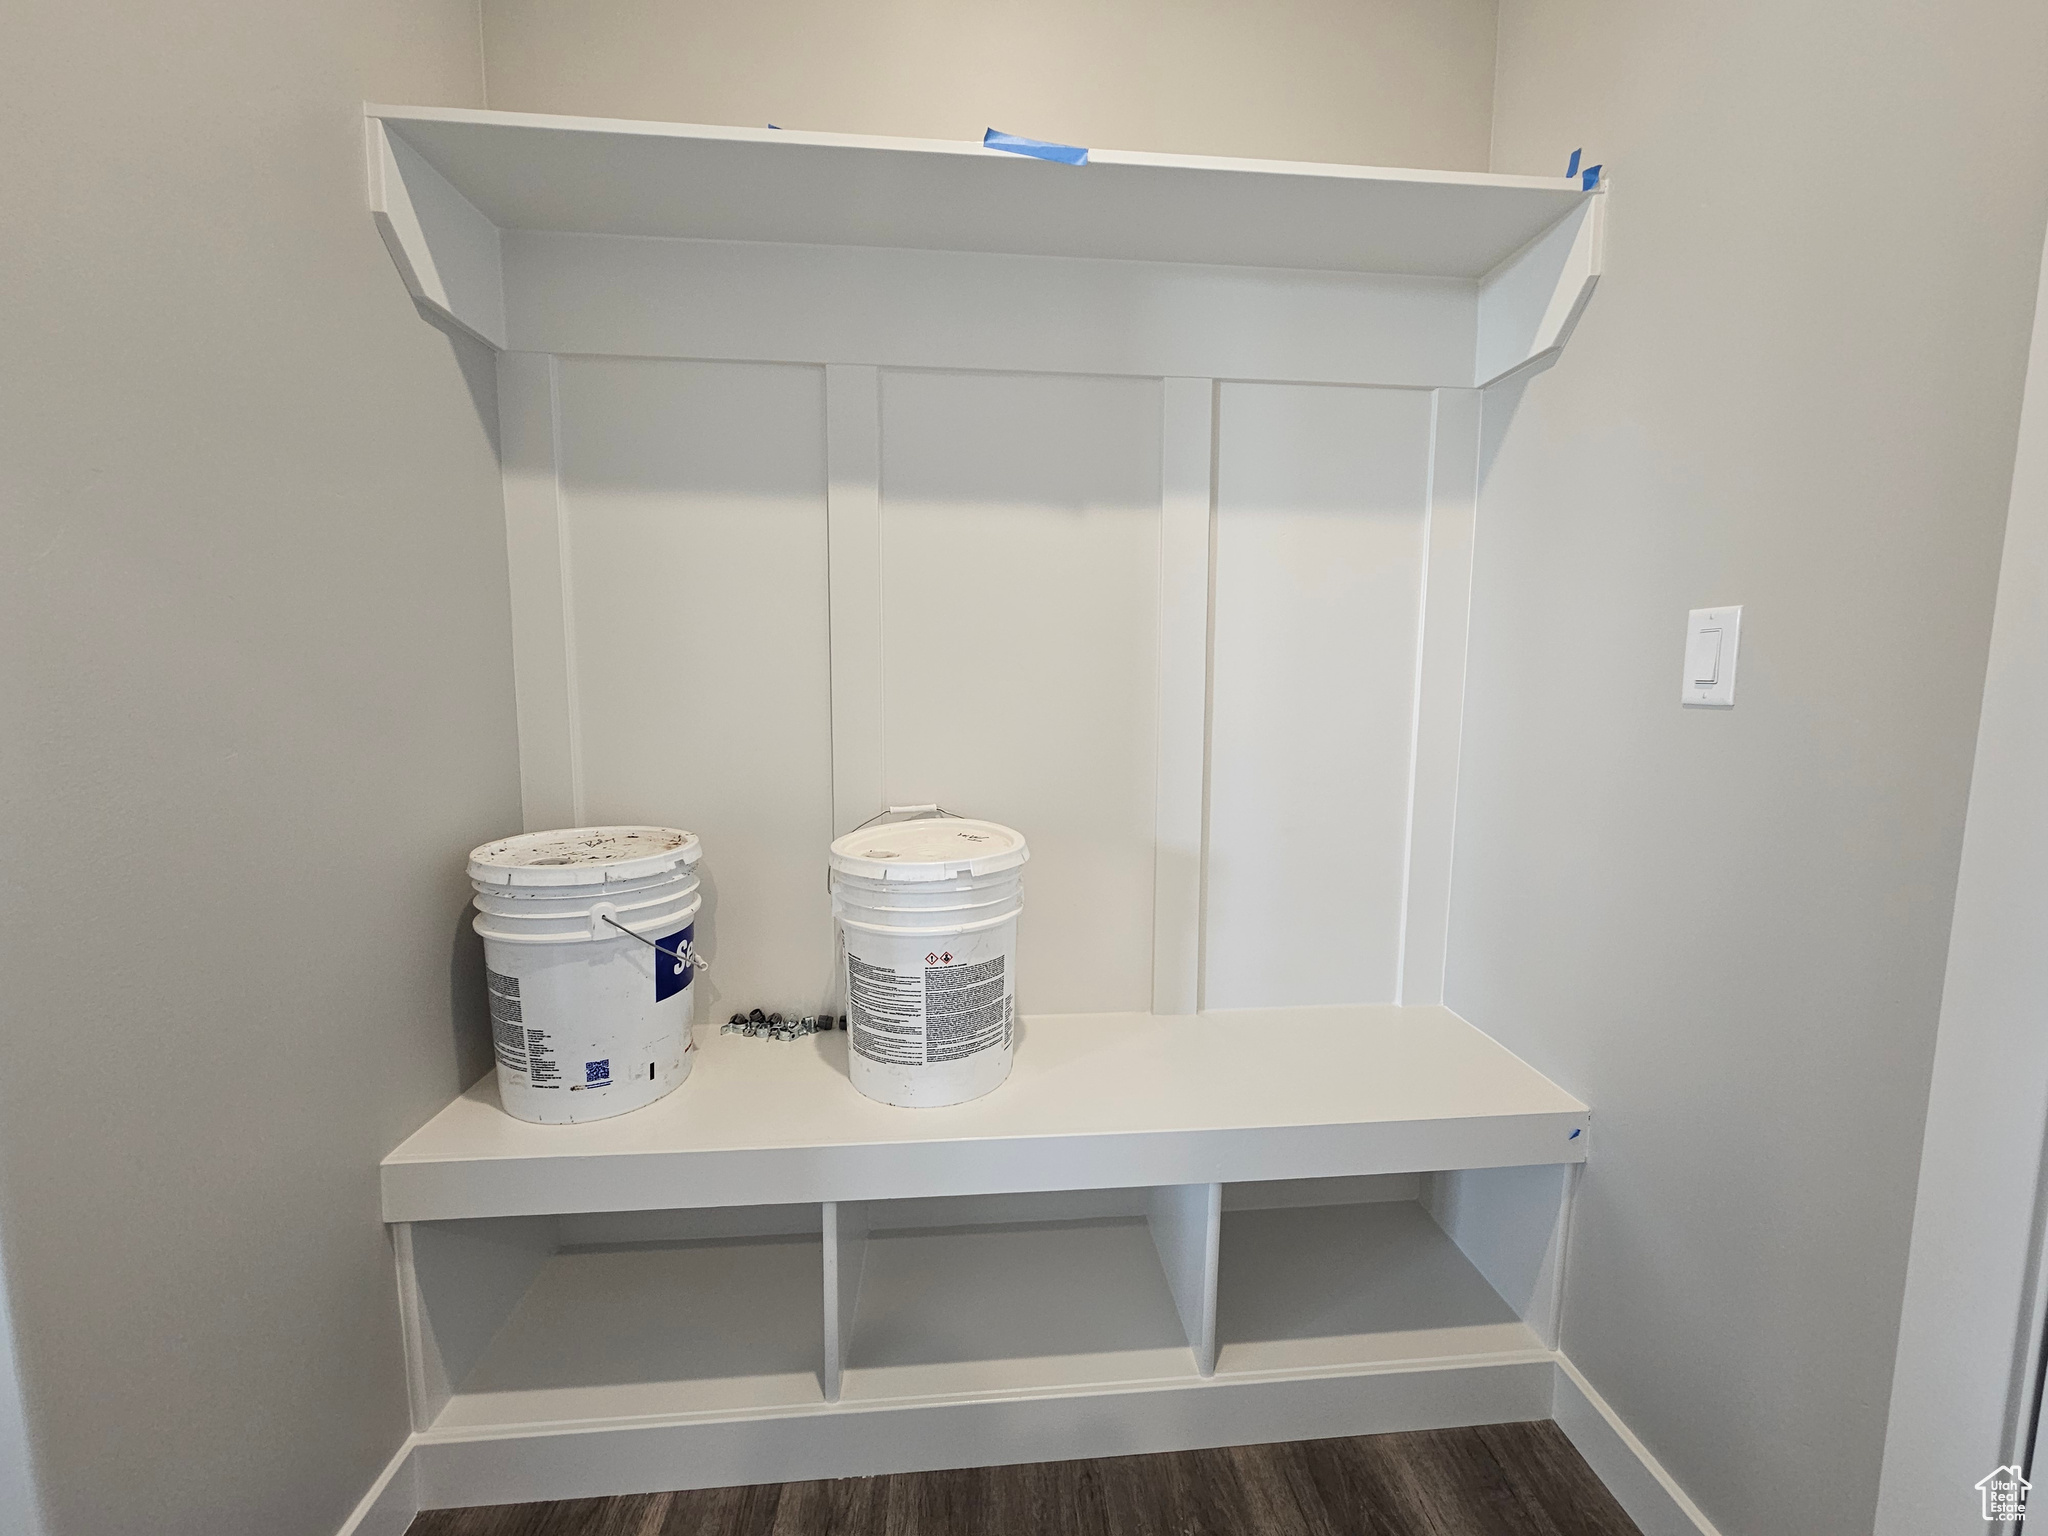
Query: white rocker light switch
[(1710, 643)]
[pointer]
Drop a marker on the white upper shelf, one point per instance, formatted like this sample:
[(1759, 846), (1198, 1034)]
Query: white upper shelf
[(750, 244), (682, 180), (1095, 1101)]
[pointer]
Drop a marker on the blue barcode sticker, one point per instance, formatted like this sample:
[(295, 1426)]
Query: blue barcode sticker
[(595, 1072), (672, 965)]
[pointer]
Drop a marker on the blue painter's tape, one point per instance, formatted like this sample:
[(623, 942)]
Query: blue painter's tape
[(1037, 149), (1569, 171), (1591, 178)]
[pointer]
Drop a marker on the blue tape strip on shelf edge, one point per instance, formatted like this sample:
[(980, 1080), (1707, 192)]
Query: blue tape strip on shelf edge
[(1037, 149), (1572, 169), (1591, 178)]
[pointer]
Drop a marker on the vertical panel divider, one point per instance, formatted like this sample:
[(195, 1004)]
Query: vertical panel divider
[(1188, 420), (1549, 1323), (537, 568), (1186, 1222), (1439, 693), (853, 516), (425, 1398), (1514, 1226), (846, 1248)]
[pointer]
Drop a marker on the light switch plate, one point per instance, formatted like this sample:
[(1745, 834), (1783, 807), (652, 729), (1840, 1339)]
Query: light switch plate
[(1711, 635)]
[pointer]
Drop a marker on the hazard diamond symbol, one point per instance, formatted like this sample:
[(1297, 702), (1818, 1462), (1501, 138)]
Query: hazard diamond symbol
[(947, 957), (931, 959)]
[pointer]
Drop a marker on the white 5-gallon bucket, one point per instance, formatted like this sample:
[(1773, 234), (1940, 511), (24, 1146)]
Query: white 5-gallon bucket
[(928, 910), (588, 951)]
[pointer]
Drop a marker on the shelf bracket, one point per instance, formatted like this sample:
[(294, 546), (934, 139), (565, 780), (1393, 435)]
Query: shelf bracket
[(1530, 302), (448, 253)]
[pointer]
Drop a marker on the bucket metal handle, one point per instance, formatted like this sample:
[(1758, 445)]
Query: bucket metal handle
[(898, 810), (689, 957), (909, 810)]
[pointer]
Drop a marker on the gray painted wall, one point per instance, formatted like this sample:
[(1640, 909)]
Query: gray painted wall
[(254, 592), (1960, 1394), (261, 701), (258, 703), (1376, 82), (1797, 389)]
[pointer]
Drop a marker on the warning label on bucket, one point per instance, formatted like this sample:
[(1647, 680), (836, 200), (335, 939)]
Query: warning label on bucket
[(545, 1071), (926, 1017), (507, 1037), (964, 1009), (883, 1008)]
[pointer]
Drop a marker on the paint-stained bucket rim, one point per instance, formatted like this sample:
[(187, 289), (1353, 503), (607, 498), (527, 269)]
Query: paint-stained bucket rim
[(583, 856)]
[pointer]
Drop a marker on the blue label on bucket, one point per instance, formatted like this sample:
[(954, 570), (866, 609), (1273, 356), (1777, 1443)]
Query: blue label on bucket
[(596, 1072), (672, 963)]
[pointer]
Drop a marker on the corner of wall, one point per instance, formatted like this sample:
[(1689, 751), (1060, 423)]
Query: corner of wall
[(1493, 97), (484, 62)]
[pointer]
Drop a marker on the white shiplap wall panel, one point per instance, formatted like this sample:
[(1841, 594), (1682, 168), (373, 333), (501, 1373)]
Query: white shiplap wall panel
[(694, 501), (1020, 580), (1320, 524)]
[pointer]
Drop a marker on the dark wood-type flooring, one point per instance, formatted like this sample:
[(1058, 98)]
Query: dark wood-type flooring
[(1499, 1480)]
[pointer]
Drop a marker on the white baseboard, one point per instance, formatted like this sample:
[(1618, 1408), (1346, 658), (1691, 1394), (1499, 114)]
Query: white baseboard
[(630, 1461), (1637, 1479), (854, 1440), (388, 1508)]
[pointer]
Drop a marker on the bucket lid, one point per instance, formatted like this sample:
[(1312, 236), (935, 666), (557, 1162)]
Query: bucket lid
[(583, 856), (932, 848)]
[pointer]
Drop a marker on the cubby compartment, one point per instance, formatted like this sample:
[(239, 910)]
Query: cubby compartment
[(549, 1320), (957, 1297), (1373, 1272)]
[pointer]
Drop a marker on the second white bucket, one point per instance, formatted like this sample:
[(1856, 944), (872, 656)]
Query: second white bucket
[(928, 910)]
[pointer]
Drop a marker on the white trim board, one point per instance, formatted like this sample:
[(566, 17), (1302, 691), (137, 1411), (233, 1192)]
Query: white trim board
[(393, 1500), (733, 301), (1637, 1479), (849, 1441), (440, 1472), (1186, 505)]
